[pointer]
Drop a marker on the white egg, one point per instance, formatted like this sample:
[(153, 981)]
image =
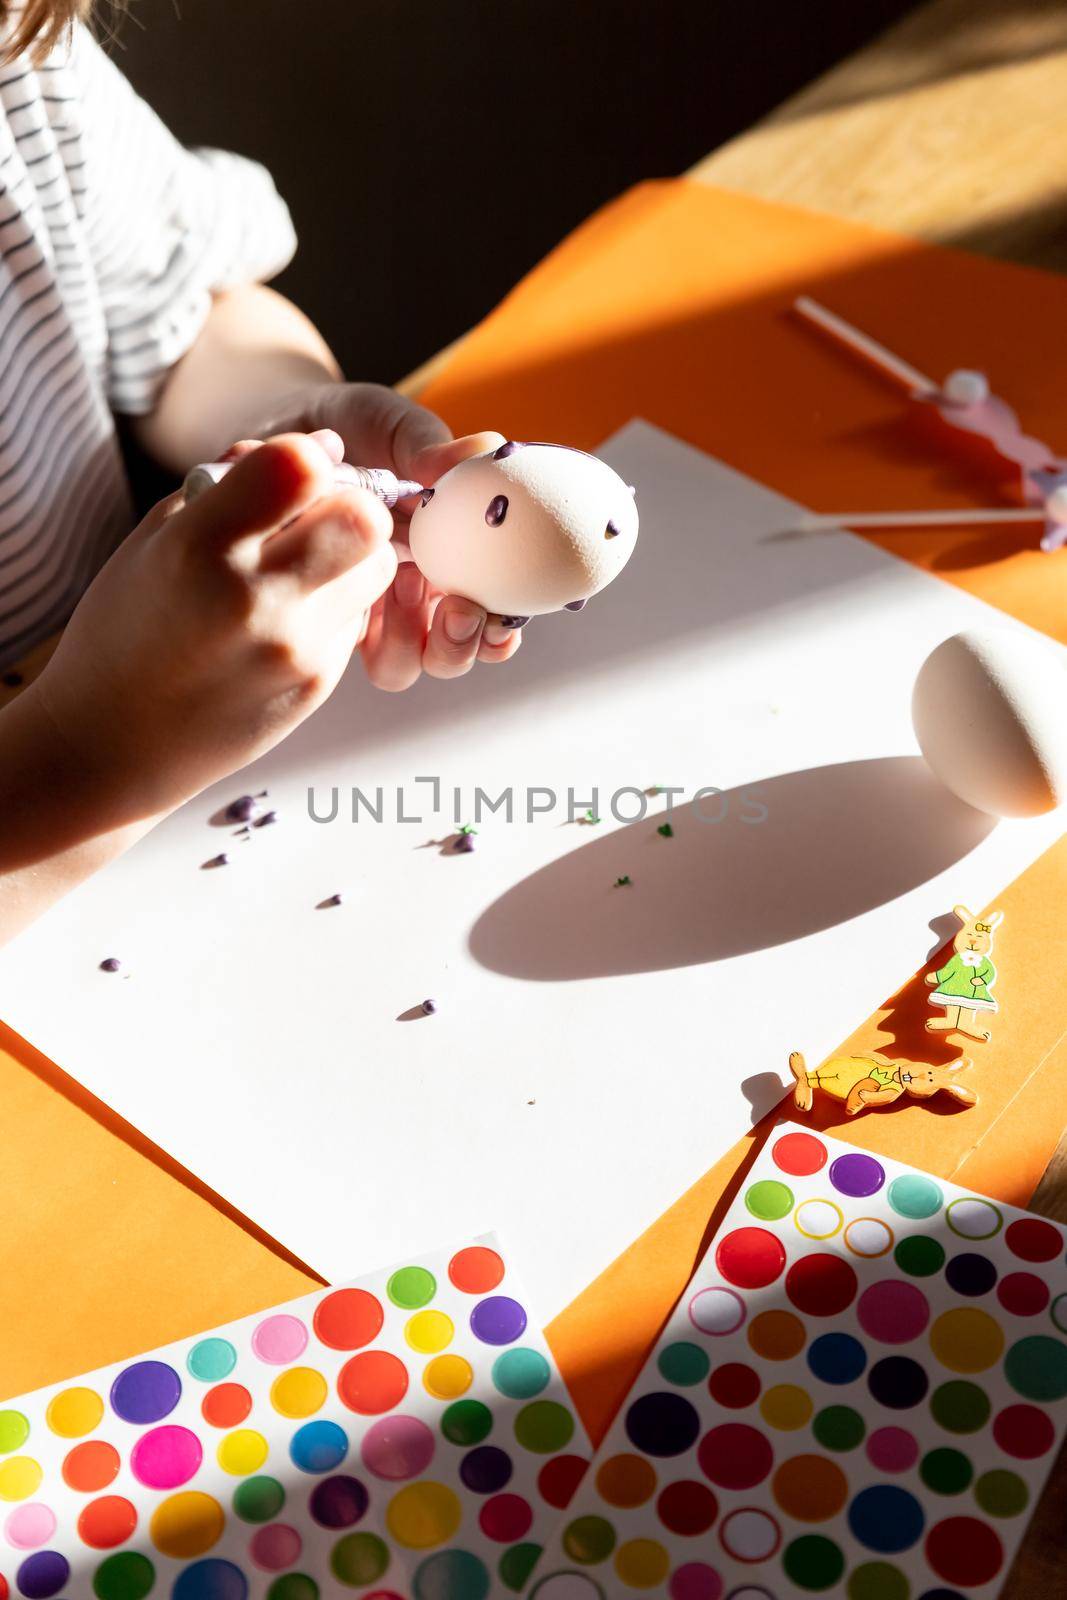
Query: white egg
[(525, 529), (990, 713)]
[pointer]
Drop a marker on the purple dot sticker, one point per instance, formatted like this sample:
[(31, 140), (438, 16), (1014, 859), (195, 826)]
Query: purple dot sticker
[(43, 1575), (146, 1392), (166, 1457), (498, 1320), (857, 1175), (397, 1447), (338, 1502), (486, 1469), (280, 1339)]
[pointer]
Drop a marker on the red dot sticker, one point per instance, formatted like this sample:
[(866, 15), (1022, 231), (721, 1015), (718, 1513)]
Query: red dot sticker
[(687, 1508), (964, 1551), (1023, 1432), (559, 1478), (1023, 1293), (734, 1385), (821, 1285), (91, 1466), (226, 1405), (373, 1382), (505, 1518), (799, 1154), (751, 1258), (1032, 1239), (348, 1319), (106, 1522), (735, 1456), (476, 1270)]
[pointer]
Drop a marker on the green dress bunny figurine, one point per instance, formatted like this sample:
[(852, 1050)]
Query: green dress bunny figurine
[(963, 985)]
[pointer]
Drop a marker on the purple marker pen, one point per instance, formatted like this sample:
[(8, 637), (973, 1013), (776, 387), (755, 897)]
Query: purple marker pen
[(378, 480)]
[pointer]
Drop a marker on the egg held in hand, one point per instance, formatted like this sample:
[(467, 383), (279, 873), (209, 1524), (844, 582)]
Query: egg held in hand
[(525, 529)]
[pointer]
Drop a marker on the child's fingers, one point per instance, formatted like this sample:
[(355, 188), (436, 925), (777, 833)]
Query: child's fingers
[(333, 536), (397, 635), (436, 458), (267, 487), (454, 638), (498, 644)]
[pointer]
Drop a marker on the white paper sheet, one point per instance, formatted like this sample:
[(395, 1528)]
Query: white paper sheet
[(592, 1052)]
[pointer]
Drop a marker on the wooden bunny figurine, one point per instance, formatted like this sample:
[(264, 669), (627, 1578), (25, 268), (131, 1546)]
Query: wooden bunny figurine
[(873, 1080), (962, 986)]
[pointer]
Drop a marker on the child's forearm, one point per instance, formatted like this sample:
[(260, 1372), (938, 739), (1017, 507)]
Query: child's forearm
[(254, 352)]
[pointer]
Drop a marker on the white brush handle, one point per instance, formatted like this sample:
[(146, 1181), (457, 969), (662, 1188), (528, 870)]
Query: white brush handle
[(917, 519), (902, 371)]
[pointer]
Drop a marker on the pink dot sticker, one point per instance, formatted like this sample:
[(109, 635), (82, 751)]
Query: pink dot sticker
[(397, 1447), (165, 1458), (717, 1311), (893, 1312), (275, 1547), (892, 1450), (30, 1525), (750, 1534), (280, 1339), (695, 1581)]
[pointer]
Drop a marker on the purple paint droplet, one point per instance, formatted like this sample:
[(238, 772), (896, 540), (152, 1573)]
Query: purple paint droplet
[(498, 1320), (427, 496), (221, 860), (145, 1392), (12, 680), (333, 900), (429, 1007), (496, 510), (576, 605), (241, 809), (266, 819), (42, 1575), (612, 531), (507, 449), (856, 1175), (514, 622), (464, 844), (110, 964)]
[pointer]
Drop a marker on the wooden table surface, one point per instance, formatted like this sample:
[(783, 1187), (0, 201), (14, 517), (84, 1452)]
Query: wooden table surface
[(951, 127)]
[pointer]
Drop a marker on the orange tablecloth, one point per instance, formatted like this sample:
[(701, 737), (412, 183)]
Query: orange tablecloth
[(669, 304)]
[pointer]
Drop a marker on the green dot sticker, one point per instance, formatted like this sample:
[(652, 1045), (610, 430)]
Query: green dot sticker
[(359, 1558), (411, 1287), (813, 1562), (516, 1564), (839, 1428), (1001, 1493), (258, 1499), (974, 1219), (211, 1359), (14, 1431), (1036, 1368), (946, 1471), (769, 1200), (684, 1363), (293, 1586), (466, 1422), (129, 1575), (960, 1407), (521, 1373), (1058, 1312), (877, 1580), (544, 1426), (589, 1540), (915, 1196), (919, 1256)]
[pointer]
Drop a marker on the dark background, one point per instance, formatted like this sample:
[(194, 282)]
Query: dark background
[(432, 151)]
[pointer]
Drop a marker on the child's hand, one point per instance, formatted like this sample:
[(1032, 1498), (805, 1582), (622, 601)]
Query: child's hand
[(217, 627), (412, 628)]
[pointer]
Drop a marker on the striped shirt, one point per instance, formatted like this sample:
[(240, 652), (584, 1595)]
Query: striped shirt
[(113, 238)]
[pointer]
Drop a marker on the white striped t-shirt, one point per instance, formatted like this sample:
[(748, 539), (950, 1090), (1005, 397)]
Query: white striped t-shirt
[(112, 239)]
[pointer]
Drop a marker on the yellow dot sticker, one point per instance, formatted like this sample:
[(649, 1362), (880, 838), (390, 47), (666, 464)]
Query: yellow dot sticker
[(298, 1392), (74, 1412), (19, 1477), (967, 1340), (429, 1331), (786, 1407), (447, 1377), (642, 1563), (242, 1452), (818, 1219), (423, 1514), (186, 1524)]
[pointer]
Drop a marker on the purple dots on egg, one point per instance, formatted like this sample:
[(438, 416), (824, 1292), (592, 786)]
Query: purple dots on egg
[(429, 1007), (147, 1391), (513, 622), (612, 530), (508, 448), (856, 1175), (241, 809), (576, 605), (265, 820), (496, 510), (110, 964), (221, 860), (464, 844), (498, 1320), (426, 496)]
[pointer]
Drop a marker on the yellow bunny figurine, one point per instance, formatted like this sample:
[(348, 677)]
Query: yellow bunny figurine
[(963, 985), (862, 1082)]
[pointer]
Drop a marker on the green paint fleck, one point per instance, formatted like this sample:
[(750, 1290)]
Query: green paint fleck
[(591, 818), (666, 830), (621, 882)]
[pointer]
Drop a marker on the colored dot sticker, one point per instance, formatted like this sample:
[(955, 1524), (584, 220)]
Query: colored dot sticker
[(786, 1407), (915, 1196), (1058, 1312), (898, 1382), (448, 1575), (544, 1426), (280, 1339), (467, 1422), (973, 1219), (167, 1457), (813, 1561), (186, 1524), (226, 1405), (559, 1478), (1023, 1294), (751, 1258), (423, 1514), (695, 1580), (447, 1377), (242, 1452), (965, 1551), (42, 1575), (498, 1320), (147, 1391), (589, 1540), (14, 1431), (735, 1456), (818, 1219), (338, 1502), (877, 1580), (642, 1563), (429, 1331), (397, 1447), (213, 1579), (74, 1412), (258, 1499), (856, 1175), (521, 1373), (960, 1407), (750, 1535), (1033, 1239), (359, 1558), (683, 1363), (476, 1270), (837, 1358), (820, 1284), (769, 1200), (717, 1311), (626, 1481), (129, 1575), (30, 1525), (734, 1386), (505, 1518), (107, 1522), (946, 1471), (869, 1236), (966, 1339), (798, 1155), (516, 1565), (919, 1256), (892, 1450), (91, 1466), (810, 1488), (318, 1446), (839, 1428), (893, 1312), (20, 1476), (372, 1382), (298, 1586), (1001, 1493), (410, 1288), (662, 1424), (485, 1470), (886, 1519), (1036, 1368), (348, 1319), (211, 1360), (970, 1274), (776, 1335), (275, 1547)]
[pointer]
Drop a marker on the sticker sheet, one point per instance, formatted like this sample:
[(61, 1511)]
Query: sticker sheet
[(860, 1394), (404, 1436)]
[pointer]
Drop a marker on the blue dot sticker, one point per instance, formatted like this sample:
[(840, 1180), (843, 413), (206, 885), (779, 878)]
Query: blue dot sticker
[(211, 1359), (521, 1373), (318, 1446), (837, 1358), (886, 1518)]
